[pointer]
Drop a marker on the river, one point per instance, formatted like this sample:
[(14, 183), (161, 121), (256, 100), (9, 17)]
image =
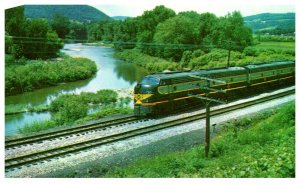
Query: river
[(112, 74)]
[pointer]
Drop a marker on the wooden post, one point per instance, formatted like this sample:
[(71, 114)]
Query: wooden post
[(207, 125), (207, 131), (208, 100)]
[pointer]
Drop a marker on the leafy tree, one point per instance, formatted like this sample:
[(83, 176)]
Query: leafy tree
[(15, 21), (61, 25), (31, 39), (231, 34), (78, 31), (95, 31), (40, 41), (206, 28), (176, 31), (147, 23), (126, 31)]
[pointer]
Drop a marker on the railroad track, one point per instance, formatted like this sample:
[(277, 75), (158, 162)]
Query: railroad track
[(78, 130), (69, 149)]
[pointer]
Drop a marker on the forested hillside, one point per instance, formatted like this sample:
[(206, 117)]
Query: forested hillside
[(82, 13), (272, 23)]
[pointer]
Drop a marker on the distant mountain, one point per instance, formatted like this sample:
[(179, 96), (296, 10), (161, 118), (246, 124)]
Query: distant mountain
[(273, 23), (120, 17), (82, 13)]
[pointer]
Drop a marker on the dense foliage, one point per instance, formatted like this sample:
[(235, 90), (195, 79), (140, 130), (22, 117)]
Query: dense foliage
[(101, 97), (29, 38), (261, 146), (163, 33), (30, 75), (151, 63)]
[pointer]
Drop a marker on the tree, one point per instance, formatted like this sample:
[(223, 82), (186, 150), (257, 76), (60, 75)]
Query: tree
[(230, 33), (29, 38), (78, 31), (61, 25), (126, 32), (206, 27), (175, 31), (40, 41), (147, 23), (15, 21)]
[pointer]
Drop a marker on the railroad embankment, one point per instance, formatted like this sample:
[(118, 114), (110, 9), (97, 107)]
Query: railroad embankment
[(258, 146)]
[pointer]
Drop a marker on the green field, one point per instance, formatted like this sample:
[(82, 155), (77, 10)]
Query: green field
[(276, 45)]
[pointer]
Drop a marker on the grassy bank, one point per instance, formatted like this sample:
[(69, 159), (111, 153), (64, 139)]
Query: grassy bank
[(27, 75), (153, 64), (260, 53), (21, 108), (258, 146), (70, 109), (54, 123)]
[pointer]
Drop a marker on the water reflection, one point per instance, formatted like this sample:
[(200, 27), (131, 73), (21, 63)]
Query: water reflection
[(45, 95), (128, 72), (14, 122)]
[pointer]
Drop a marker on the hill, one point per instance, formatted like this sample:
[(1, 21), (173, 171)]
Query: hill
[(272, 23), (81, 13)]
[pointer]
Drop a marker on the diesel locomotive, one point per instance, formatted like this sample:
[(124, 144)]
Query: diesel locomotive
[(162, 93)]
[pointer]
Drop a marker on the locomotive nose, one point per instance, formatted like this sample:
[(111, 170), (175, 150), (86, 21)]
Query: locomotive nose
[(137, 88)]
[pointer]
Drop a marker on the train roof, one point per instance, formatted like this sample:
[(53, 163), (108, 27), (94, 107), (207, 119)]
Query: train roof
[(217, 71), (273, 64), (168, 75)]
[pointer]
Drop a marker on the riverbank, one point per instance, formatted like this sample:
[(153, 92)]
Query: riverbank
[(27, 75), (258, 146)]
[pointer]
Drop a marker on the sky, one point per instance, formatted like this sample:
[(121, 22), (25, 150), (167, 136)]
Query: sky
[(218, 7)]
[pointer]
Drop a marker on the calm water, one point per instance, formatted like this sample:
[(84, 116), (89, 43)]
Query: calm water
[(112, 74)]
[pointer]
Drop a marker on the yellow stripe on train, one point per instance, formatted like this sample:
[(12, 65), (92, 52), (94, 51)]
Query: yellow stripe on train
[(139, 97)]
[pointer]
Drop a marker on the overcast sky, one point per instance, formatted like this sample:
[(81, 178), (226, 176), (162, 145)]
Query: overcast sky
[(218, 7)]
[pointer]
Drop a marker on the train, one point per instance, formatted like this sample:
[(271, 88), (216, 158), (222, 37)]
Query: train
[(164, 93)]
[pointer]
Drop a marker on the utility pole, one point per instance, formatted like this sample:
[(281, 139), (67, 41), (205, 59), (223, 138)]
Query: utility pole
[(207, 100)]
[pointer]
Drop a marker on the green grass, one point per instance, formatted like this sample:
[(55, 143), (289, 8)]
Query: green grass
[(260, 146), (38, 126), (55, 122), (20, 108), (277, 45), (106, 111), (151, 63)]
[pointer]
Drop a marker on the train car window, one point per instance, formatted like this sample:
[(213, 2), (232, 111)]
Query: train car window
[(150, 81)]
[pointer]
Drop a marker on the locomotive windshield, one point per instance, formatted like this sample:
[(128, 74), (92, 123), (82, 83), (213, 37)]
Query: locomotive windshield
[(150, 81)]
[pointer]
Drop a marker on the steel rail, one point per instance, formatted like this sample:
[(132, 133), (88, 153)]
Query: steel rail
[(69, 131)]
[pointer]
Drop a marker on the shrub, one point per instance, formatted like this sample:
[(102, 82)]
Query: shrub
[(197, 53), (250, 51), (71, 110), (152, 64)]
